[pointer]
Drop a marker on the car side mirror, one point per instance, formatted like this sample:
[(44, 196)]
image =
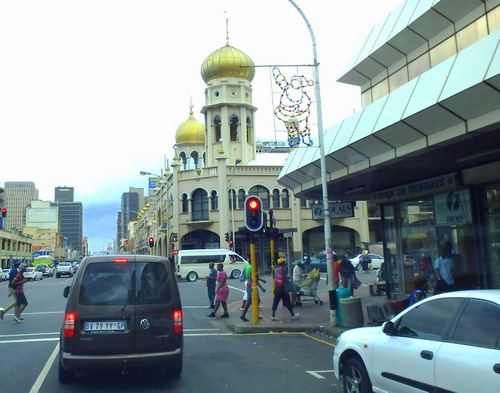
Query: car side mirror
[(388, 328), (66, 292)]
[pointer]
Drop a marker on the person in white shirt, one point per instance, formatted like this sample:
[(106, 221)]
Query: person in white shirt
[(443, 267)]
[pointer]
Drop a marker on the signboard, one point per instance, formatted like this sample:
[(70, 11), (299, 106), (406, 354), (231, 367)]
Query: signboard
[(453, 207), (154, 182), (175, 252), (336, 209), (414, 190)]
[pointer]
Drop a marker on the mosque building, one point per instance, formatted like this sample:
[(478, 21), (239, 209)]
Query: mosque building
[(217, 165)]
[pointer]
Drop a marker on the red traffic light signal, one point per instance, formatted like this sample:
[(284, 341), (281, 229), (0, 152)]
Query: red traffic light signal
[(254, 217), (151, 242), (4, 212)]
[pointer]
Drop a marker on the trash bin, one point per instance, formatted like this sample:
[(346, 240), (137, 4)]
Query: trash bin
[(352, 312), (341, 294)]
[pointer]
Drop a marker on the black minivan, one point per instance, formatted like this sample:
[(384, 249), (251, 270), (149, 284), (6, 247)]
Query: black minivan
[(123, 311)]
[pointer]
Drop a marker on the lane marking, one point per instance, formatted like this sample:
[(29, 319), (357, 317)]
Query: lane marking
[(38, 383), (317, 374)]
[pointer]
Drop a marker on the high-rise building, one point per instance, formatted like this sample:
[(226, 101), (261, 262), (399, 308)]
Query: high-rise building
[(132, 202), (17, 198), (70, 217), (64, 194)]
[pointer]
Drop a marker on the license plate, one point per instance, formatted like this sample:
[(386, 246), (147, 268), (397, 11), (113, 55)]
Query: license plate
[(107, 327)]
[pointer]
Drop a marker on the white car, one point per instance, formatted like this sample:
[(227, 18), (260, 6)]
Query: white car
[(4, 274), (444, 343), (32, 274), (376, 261), (64, 269)]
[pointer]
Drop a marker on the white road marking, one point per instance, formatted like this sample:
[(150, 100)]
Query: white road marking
[(38, 383), (317, 373)]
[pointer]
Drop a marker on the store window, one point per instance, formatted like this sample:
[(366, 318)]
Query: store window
[(492, 197)]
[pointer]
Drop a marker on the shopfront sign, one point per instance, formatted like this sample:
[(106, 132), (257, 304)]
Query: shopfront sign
[(414, 190), (453, 207), (336, 209)]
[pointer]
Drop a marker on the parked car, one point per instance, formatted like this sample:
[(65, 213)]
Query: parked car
[(46, 270), (122, 312), (444, 343), (316, 263), (4, 274), (32, 274), (376, 261), (64, 269)]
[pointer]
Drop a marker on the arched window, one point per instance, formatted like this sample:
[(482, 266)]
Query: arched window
[(232, 199), (285, 199), (263, 194), (199, 205), (217, 128), (234, 128), (184, 203), (241, 198), (276, 198), (214, 200), (194, 157), (249, 130), (183, 160)]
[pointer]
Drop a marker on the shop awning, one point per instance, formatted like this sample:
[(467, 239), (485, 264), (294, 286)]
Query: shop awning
[(445, 120)]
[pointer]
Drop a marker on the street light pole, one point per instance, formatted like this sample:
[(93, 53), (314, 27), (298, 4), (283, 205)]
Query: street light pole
[(238, 160), (324, 188)]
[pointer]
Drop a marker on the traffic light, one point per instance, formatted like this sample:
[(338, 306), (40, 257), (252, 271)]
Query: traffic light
[(231, 241), (227, 236), (254, 218), (4, 212), (151, 242)]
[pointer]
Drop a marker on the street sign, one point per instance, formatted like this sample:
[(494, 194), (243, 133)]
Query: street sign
[(175, 252)]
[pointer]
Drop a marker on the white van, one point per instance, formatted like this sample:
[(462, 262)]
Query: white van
[(192, 264)]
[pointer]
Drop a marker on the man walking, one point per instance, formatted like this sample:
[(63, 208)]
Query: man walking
[(211, 283), (18, 283), (12, 291)]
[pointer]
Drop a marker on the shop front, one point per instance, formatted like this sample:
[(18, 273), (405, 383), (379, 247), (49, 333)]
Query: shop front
[(434, 219)]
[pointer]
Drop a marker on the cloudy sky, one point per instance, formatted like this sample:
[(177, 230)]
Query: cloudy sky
[(92, 92)]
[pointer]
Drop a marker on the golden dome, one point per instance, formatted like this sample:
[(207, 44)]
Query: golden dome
[(227, 62), (191, 131)]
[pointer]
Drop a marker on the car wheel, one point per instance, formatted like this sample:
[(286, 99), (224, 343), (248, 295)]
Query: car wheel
[(355, 377), (65, 376), (191, 277), (235, 274)]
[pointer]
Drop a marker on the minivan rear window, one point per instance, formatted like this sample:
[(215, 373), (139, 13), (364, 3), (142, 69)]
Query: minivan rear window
[(217, 258), (107, 284)]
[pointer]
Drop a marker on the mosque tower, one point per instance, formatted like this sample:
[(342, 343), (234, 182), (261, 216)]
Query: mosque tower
[(229, 113)]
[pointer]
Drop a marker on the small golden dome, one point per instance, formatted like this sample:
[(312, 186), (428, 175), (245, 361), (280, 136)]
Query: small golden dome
[(191, 131), (227, 62)]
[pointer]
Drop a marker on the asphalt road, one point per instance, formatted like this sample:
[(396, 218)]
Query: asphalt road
[(215, 359)]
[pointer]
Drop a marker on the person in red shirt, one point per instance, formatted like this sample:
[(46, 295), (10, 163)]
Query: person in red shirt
[(336, 269), (18, 284)]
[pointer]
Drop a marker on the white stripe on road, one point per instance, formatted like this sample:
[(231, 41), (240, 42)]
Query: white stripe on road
[(317, 373), (38, 383)]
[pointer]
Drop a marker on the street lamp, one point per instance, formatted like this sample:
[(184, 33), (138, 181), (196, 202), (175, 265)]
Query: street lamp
[(327, 224), (238, 160)]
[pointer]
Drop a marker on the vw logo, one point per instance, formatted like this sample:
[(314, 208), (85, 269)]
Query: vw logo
[(144, 324)]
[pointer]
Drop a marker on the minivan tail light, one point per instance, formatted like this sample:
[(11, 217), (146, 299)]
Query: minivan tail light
[(69, 324), (121, 260), (178, 321)]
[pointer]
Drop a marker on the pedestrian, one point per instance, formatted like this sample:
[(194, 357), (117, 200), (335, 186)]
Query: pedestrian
[(336, 269), (280, 282), (347, 273), (443, 267), (18, 283), (307, 264), (365, 260), (246, 274), (211, 283), (419, 286), (12, 290), (221, 291), (248, 292)]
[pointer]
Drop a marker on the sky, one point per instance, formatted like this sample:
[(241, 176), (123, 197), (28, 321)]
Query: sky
[(92, 92)]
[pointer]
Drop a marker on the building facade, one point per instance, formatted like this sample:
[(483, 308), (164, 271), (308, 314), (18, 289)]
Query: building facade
[(424, 148), (217, 165), (17, 198)]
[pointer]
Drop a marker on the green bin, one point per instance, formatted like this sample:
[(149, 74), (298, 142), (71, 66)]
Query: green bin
[(341, 294), (352, 312)]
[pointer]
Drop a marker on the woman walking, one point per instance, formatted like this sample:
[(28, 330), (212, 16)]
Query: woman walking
[(221, 291)]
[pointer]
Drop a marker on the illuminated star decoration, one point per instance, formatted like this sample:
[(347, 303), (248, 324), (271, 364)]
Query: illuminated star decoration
[(294, 107)]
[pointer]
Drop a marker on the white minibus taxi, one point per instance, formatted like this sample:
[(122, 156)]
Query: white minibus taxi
[(192, 264)]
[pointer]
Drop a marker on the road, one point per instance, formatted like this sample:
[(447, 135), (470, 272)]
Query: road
[(215, 359)]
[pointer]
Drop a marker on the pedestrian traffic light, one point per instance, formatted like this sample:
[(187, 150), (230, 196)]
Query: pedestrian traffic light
[(4, 212), (227, 236), (254, 218), (151, 242), (231, 241)]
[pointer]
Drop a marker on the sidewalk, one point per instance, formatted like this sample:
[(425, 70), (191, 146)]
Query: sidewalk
[(313, 317)]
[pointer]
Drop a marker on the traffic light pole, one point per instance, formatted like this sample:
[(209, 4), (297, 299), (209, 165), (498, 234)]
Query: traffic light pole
[(255, 293)]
